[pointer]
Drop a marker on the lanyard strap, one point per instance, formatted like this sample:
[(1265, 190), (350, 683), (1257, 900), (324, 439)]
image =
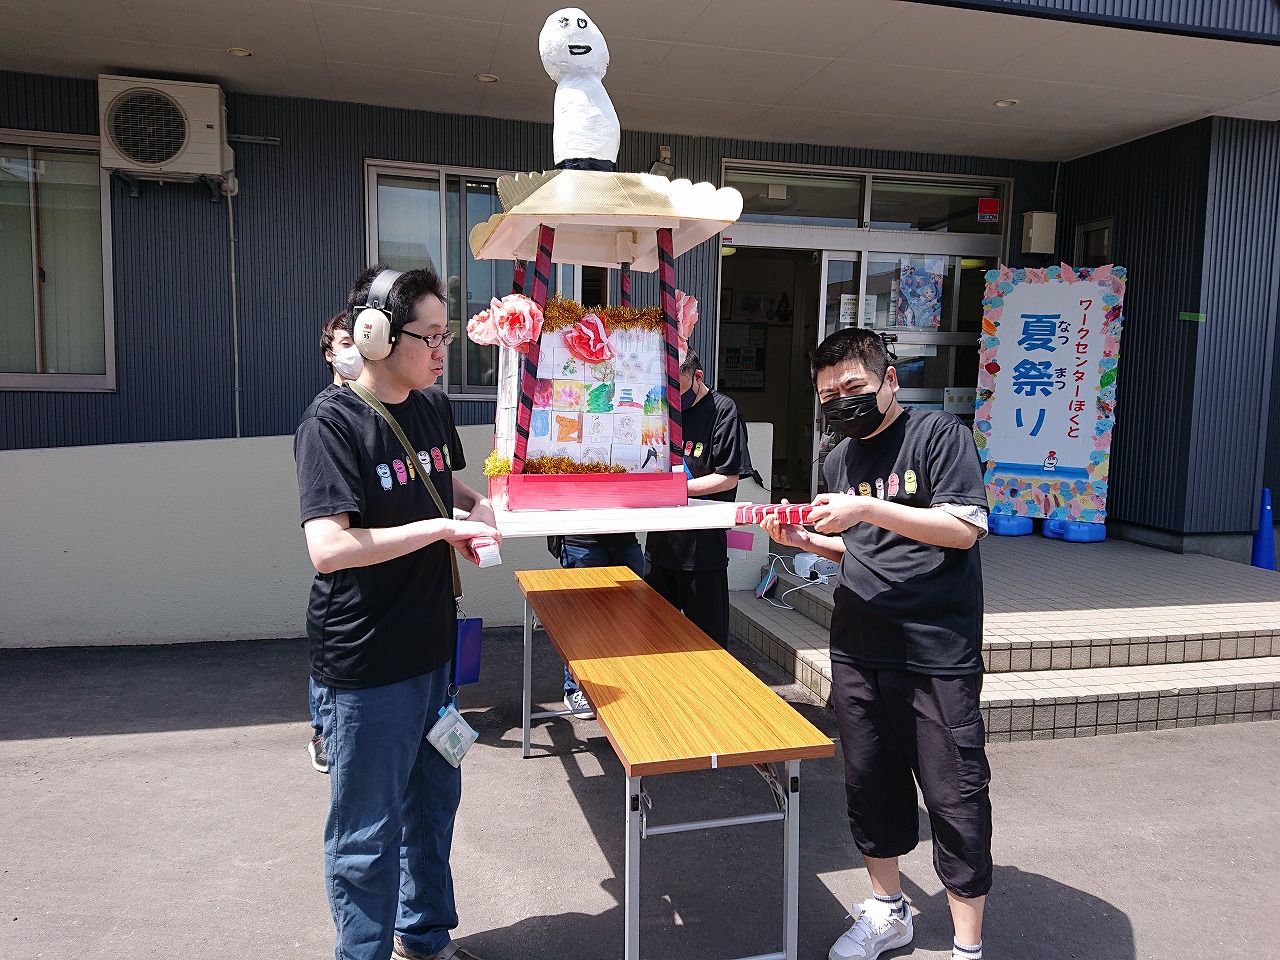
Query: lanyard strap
[(414, 467)]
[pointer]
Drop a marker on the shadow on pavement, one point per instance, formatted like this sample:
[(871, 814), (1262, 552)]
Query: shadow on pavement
[(149, 689)]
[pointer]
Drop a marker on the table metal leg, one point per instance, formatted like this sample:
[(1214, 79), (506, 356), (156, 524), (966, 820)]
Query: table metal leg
[(791, 861), (528, 678), (631, 882)]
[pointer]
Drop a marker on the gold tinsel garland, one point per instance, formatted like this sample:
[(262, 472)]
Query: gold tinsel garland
[(560, 314), (496, 466)]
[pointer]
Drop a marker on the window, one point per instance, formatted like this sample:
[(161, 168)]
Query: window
[(1093, 243), (55, 310), (423, 216), (801, 198), (937, 206)]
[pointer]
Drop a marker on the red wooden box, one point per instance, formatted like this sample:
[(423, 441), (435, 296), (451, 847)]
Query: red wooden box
[(580, 491)]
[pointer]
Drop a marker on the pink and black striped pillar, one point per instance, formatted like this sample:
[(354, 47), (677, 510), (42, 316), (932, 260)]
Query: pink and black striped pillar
[(626, 284), (517, 283), (667, 284), (529, 366)]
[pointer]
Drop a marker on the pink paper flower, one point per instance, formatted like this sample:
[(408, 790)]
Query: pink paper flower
[(482, 330), (518, 321), (686, 319), (589, 341)]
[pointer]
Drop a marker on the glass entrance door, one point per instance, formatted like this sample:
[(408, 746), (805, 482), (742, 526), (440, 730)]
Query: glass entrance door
[(931, 303)]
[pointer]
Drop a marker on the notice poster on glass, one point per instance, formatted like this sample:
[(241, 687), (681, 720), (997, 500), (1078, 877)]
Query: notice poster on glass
[(920, 292), (1047, 389)]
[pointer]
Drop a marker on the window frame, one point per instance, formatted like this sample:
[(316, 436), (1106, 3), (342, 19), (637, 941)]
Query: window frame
[(440, 173), (104, 382), (1107, 223)]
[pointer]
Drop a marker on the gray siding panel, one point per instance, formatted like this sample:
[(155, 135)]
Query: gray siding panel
[(1235, 366), (300, 230), (1256, 20), (1271, 469), (1155, 189)]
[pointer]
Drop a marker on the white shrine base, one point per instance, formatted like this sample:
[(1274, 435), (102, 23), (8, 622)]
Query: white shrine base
[(698, 515)]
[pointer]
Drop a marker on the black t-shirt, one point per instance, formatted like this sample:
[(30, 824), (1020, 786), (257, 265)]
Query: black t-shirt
[(715, 441), (902, 604), (380, 624)]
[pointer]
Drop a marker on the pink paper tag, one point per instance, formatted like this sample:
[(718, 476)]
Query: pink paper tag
[(740, 539)]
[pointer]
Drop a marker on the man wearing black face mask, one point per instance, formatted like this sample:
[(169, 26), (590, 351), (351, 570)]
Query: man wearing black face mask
[(905, 508), (690, 568)]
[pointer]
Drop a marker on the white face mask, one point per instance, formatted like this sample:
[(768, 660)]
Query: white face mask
[(348, 362)]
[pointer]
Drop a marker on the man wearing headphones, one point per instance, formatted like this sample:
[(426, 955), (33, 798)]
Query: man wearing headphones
[(906, 506), (382, 620)]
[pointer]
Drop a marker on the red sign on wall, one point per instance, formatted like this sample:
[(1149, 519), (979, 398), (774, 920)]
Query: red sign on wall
[(988, 210)]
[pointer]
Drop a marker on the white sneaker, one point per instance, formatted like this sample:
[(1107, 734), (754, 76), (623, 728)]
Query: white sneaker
[(876, 928), (577, 701)]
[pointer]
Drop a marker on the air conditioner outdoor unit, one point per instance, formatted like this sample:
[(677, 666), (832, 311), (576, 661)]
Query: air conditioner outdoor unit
[(165, 130)]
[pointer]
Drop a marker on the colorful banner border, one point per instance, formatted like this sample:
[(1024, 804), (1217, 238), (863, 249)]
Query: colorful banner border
[(1071, 498)]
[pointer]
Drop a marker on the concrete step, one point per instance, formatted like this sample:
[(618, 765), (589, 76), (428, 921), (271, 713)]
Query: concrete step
[(1051, 703), (788, 638), (1077, 639)]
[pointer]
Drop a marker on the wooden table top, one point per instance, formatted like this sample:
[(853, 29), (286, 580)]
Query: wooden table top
[(668, 697)]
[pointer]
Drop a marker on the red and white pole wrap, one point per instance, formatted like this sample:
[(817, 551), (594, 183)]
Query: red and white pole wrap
[(667, 284)]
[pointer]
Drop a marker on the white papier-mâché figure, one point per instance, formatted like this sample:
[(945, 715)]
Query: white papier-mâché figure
[(576, 57)]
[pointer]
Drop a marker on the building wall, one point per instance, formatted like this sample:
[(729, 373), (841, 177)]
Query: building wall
[(1235, 401), (1156, 189), (1234, 19), (299, 223), (188, 541)]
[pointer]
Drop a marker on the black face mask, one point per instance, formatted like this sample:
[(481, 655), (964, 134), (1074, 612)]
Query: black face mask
[(858, 416), (687, 398)]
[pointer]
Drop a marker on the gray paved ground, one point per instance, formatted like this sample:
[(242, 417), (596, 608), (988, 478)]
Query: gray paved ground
[(157, 802)]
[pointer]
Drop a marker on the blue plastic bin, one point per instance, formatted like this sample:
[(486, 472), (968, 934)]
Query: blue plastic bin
[(1074, 531), (1008, 525)]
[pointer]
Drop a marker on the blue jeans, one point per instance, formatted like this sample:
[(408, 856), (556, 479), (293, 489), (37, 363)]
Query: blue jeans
[(393, 799), (572, 556), (314, 695)]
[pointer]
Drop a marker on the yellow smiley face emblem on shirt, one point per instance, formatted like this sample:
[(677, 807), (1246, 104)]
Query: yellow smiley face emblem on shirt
[(864, 489)]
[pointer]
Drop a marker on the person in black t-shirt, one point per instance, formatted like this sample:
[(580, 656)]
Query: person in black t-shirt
[(344, 362), (382, 625), (690, 568), (905, 508)]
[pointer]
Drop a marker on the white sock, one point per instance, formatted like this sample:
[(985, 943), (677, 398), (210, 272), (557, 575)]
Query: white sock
[(960, 952), (897, 903)]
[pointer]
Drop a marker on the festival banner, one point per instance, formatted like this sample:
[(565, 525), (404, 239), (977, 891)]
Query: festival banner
[(1047, 389)]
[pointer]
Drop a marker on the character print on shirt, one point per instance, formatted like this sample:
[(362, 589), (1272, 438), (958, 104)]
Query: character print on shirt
[(384, 475), (448, 461), (424, 458), (893, 485), (437, 458), (880, 488), (909, 482), (401, 473), (697, 450), (864, 489), (688, 448)]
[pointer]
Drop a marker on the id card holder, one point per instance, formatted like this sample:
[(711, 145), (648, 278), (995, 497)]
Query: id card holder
[(451, 735), (466, 653)]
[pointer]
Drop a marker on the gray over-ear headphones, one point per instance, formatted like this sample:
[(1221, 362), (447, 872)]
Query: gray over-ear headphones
[(372, 332)]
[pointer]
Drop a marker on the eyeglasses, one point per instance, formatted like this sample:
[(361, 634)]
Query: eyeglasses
[(433, 340)]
